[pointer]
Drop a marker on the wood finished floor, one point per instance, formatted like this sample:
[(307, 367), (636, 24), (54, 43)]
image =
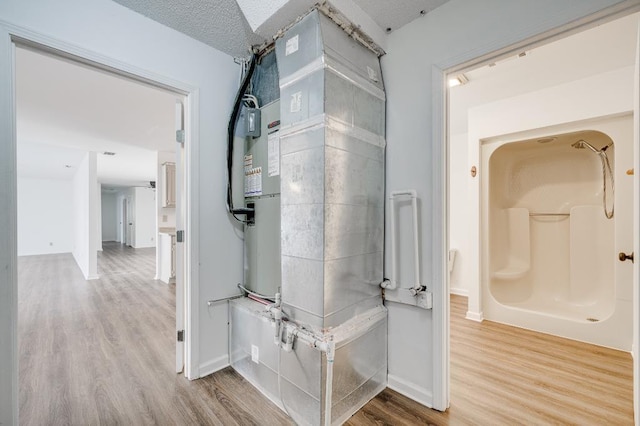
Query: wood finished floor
[(102, 352)]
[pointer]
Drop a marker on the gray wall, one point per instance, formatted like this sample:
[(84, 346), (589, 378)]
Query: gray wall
[(109, 217)]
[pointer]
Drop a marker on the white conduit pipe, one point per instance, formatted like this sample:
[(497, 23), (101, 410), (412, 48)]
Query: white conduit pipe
[(326, 346), (393, 283), (331, 350)]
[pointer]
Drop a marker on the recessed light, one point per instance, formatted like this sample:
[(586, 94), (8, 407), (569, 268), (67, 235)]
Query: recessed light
[(458, 80), (108, 153)]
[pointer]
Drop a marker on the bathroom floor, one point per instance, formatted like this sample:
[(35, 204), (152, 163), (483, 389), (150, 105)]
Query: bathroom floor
[(506, 375)]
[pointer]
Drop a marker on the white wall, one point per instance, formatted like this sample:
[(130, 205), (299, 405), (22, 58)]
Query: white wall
[(454, 33), (85, 217), (109, 217), (45, 216), (144, 217), (97, 236), (459, 173)]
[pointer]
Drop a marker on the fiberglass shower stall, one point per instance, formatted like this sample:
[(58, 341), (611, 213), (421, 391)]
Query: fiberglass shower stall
[(549, 254)]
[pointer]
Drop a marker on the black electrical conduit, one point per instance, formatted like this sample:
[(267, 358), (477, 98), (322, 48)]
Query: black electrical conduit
[(231, 134)]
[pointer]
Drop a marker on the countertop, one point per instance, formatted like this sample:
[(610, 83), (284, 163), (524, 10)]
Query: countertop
[(167, 230)]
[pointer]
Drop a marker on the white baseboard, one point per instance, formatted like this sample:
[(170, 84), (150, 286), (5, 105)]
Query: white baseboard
[(214, 365), (459, 291), (475, 316), (411, 390)]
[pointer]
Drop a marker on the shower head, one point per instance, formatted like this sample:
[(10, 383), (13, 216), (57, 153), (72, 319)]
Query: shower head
[(582, 144)]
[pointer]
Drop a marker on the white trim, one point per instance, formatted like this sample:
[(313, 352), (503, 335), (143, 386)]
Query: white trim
[(30, 38), (214, 365), (192, 235), (459, 291), (8, 246), (475, 316), (440, 234), (410, 390), (636, 239)]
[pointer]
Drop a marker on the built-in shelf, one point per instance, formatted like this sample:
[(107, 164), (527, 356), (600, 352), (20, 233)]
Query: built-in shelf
[(513, 272)]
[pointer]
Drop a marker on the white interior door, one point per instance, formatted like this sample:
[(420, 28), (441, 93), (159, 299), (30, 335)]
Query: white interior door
[(636, 237), (179, 248)]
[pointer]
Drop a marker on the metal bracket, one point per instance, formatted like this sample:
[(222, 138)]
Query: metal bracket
[(424, 299), (180, 136)]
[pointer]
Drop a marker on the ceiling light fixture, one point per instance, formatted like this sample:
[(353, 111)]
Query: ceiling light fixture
[(108, 153), (458, 80)]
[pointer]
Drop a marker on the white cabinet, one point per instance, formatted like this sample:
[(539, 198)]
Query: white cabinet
[(168, 184)]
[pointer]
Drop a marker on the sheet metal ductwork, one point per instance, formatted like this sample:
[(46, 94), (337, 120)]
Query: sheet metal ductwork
[(332, 127), (332, 199)]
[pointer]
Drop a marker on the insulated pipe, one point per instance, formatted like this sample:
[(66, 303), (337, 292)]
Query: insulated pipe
[(275, 310), (393, 283)]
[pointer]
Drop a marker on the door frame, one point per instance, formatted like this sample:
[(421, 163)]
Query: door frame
[(440, 172), (10, 37)]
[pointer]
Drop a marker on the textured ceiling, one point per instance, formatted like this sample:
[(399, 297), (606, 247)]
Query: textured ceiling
[(396, 14), (218, 23), (222, 25)]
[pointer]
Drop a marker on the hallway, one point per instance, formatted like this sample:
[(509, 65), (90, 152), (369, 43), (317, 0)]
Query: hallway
[(103, 351)]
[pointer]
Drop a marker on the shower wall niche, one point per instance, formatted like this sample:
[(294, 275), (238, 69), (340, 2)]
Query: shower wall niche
[(550, 255)]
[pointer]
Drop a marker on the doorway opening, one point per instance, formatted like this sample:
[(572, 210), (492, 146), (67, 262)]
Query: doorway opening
[(521, 237), (92, 148)]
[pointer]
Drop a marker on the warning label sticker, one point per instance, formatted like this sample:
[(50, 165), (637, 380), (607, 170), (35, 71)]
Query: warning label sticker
[(253, 182), (291, 46), (273, 153)]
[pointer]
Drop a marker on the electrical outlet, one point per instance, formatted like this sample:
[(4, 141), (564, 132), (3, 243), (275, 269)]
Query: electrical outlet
[(255, 354)]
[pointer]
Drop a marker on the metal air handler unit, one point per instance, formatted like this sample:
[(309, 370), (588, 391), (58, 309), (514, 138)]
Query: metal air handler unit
[(319, 351), (262, 193)]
